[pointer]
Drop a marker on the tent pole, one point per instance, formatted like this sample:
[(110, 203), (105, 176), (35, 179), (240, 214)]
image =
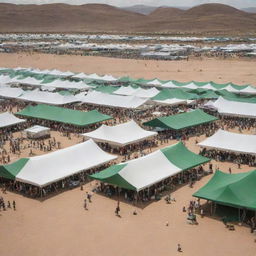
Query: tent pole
[(239, 214)]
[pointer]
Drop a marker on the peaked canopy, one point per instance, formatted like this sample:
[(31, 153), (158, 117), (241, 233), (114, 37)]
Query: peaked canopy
[(8, 119), (48, 98), (8, 92), (105, 99), (46, 169), (235, 108), (236, 190), (63, 115), (67, 85), (145, 171), (120, 135), (229, 141), (139, 92), (182, 121)]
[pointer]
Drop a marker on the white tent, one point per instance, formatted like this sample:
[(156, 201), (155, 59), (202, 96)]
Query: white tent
[(171, 102), (235, 108), (67, 85), (249, 90), (56, 72), (8, 92), (28, 81), (229, 141), (146, 93), (191, 86), (145, 171), (139, 92), (80, 76), (170, 84), (37, 131), (48, 98), (230, 88), (120, 135), (209, 87), (109, 78), (105, 99), (4, 79), (46, 169), (126, 90), (8, 119), (155, 82), (148, 170)]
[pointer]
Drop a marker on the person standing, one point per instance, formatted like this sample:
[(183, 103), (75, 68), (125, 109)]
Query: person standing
[(117, 210), (85, 204), (14, 205)]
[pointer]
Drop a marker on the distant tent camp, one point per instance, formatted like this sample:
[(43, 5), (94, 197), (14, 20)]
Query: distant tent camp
[(121, 134), (63, 115), (148, 170), (181, 121), (49, 168), (236, 190)]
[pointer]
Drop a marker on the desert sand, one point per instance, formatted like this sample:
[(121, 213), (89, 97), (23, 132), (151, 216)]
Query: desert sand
[(60, 226), (238, 71)]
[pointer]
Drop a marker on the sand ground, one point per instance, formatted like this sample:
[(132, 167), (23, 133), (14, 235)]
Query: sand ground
[(60, 226), (239, 71)]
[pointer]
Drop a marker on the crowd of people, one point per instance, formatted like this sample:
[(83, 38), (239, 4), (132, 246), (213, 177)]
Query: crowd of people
[(11, 145), (225, 156)]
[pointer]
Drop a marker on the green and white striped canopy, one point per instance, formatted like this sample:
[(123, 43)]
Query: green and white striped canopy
[(145, 171)]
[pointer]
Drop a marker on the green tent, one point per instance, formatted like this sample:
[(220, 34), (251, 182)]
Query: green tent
[(148, 170), (209, 94), (175, 93), (236, 190), (182, 121), (10, 171), (63, 115), (106, 89), (181, 83)]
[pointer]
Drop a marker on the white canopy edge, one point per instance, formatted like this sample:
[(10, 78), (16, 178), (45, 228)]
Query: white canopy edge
[(229, 141), (46, 169)]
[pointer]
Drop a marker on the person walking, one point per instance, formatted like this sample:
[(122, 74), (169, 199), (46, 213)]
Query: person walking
[(14, 205), (89, 197)]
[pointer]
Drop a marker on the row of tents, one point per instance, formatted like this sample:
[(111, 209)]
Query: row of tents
[(47, 77), (222, 105)]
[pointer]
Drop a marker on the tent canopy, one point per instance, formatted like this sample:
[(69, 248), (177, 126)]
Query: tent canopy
[(7, 119), (46, 169), (182, 121), (37, 129), (120, 135), (105, 99), (145, 171), (235, 108), (63, 115), (236, 190), (229, 141), (48, 97)]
